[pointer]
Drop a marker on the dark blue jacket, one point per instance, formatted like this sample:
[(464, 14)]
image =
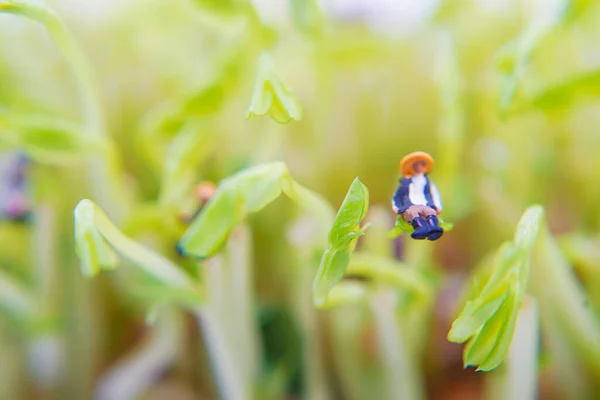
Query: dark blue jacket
[(401, 199)]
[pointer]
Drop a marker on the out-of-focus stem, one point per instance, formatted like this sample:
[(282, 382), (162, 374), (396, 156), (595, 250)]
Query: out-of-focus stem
[(44, 251), (11, 363), (417, 253), (346, 322), (136, 372), (243, 322), (314, 370), (402, 381), (558, 290), (304, 241), (222, 342), (226, 372), (517, 377)]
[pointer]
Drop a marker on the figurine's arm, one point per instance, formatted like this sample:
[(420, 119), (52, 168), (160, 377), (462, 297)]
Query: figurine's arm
[(437, 199), (401, 199)]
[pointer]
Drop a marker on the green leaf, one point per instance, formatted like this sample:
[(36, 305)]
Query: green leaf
[(351, 213), (528, 228), (491, 339), (248, 191), (342, 240), (94, 233), (306, 15), (208, 233), (475, 315), (91, 247), (402, 226), (488, 318), (513, 59), (564, 95), (272, 96)]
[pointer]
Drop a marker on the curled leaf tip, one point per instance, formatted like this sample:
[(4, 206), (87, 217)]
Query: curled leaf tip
[(272, 96)]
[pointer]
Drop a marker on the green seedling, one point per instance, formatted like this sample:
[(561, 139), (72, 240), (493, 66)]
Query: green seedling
[(271, 95), (343, 235), (488, 319), (98, 242), (248, 191)]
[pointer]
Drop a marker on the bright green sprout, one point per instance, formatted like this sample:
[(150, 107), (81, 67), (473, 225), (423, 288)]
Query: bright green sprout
[(248, 191), (272, 96), (342, 241), (488, 319), (96, 237)]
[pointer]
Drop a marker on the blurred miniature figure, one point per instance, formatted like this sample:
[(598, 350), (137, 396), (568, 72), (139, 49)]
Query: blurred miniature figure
[(203, 192), (15, 204), (417, 199)]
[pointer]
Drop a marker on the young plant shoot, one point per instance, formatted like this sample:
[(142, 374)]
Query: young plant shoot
[(248, 191)]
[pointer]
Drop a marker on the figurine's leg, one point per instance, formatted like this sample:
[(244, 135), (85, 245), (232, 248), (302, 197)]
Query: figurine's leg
[(412, 216), (432, 223)]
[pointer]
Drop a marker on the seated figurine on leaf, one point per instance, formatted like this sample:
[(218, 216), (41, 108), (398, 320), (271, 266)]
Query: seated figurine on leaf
[(417, 199)]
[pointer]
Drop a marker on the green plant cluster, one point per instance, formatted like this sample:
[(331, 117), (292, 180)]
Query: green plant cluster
[(268, 292)]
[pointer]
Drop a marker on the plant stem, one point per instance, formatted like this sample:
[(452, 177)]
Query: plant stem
[(517, 377), (243, 322), (229, 382), (11, 364), (313, 368), (402, 381), (44, 251), (137, 371), (346, 323), (215, 321), (557, 290)]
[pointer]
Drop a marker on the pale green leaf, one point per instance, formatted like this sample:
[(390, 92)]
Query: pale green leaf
[(272, 96), (342, 239), (94, 233), (248, 191)]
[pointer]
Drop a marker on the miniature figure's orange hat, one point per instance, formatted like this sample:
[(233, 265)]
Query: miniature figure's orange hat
[(406, 164)]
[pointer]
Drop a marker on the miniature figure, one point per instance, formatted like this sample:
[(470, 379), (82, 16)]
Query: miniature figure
[(417, 199), (203, 192)]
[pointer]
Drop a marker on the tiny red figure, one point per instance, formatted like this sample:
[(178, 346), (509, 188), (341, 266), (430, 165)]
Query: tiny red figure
[(417, 199)]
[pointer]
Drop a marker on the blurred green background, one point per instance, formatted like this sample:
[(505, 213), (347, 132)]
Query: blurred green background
[(503, 94)]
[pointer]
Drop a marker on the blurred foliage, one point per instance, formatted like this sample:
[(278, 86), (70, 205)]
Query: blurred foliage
[(130, 105)]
